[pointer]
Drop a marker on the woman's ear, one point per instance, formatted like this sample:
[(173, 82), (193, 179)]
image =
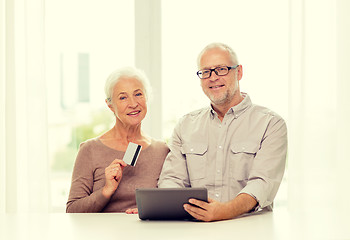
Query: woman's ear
[(109, 105)]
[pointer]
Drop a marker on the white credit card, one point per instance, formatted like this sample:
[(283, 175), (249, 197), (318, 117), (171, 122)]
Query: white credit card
[(132, 153)]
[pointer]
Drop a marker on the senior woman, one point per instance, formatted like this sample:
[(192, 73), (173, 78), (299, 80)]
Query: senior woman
[(101, 181)]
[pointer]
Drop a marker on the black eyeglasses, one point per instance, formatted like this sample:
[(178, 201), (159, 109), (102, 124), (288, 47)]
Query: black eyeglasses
[(220, 71)]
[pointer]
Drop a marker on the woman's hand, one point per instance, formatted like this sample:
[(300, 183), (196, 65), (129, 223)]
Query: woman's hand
[(113, 175), (132, 211)]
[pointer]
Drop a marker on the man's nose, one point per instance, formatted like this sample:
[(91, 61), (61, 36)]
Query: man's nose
[(213, 76)]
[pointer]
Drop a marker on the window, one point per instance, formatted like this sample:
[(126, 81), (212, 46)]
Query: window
[(85, 42), (259, 37), (260, 41)]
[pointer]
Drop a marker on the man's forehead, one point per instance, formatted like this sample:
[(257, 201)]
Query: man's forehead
[(215, 66), (215, 58)]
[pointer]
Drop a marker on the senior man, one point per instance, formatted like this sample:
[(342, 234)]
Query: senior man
[(234, 148)]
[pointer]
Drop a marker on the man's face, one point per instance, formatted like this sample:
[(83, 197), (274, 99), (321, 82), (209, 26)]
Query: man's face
[(221, 90)]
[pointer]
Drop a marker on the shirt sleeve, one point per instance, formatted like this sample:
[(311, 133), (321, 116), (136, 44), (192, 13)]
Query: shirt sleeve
[(269, 163), (174, 172), (82, 198)]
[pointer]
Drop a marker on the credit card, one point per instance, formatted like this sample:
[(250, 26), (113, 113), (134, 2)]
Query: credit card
[(132, 153)]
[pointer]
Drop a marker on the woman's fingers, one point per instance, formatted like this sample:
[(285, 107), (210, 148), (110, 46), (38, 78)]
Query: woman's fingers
[(120, 162), (132, 211)]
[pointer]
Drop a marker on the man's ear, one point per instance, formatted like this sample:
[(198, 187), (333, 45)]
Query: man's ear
[(239, 72)]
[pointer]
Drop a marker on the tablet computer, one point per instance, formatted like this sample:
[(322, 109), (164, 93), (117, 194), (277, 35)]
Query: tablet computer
[(167, 203)]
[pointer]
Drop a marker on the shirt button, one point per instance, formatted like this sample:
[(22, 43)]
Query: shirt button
[(216, 195), (220, 147), (218, 171)]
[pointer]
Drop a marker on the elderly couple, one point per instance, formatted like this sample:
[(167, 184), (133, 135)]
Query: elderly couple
[(235, 149)]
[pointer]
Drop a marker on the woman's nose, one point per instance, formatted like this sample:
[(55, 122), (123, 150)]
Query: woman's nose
[(133, 102)]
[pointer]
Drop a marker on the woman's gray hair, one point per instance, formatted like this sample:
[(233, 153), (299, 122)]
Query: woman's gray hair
[(218, 45), (129, 72)]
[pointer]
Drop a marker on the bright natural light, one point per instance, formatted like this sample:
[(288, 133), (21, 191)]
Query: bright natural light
[(85, 42), (261, 46), (82, 51), (260, 42), (55, 56)]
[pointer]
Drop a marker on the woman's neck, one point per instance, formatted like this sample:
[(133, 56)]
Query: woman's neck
[(120, 136), (127, 133)]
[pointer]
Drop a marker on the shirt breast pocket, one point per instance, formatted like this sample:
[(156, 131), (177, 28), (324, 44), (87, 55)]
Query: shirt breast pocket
[(241, 159), (196, 159)]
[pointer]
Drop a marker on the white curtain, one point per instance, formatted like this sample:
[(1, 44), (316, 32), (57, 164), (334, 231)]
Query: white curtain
[(24, 155), (319, 107), (2, 107)]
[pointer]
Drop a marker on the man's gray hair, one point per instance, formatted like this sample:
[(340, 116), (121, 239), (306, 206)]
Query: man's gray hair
[(218, 45), (129, 72)]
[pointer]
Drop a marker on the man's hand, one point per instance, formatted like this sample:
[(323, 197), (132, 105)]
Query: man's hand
[(207, 211), (214, 210)]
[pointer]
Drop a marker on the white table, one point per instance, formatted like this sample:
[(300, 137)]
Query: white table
[(279, 224)]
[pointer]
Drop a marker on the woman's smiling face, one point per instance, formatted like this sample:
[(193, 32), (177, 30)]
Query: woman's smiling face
[(129, 101)]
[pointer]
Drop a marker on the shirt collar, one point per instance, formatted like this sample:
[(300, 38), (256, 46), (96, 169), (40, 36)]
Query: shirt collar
[(236, 110)]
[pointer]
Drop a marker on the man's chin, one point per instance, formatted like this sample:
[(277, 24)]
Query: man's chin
[(218, 100)]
